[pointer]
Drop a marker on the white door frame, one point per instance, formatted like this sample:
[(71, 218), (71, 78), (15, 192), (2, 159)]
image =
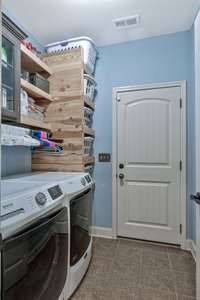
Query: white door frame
[(197, 100), (197, 141), (183, 209)]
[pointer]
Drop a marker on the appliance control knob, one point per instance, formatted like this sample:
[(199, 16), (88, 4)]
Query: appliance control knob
[(83, 181), (40, 199)]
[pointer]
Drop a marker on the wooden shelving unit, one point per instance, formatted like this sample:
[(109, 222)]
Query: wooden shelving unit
[(34, 64), (34, 91), (33, 123), (65, 114)]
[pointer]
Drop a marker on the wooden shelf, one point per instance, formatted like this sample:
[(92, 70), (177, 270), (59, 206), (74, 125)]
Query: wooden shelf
[(61, 162), (34, 64), (88, 160), (34, 123), (57, 167), (34, 91)]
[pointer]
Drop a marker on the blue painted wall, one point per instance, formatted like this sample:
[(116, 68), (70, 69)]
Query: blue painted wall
[(158, 59)]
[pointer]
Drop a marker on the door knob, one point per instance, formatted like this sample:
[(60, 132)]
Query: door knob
[(196, 198), (121, 176), (121, 166)]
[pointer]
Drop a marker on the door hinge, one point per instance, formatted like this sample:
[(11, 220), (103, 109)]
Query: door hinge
[(181, 165), (180, 228), (181, 103)]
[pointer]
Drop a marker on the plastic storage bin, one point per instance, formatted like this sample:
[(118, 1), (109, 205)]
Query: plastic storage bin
[(88, 116), (90, 51), (89, 87), (88, 145)]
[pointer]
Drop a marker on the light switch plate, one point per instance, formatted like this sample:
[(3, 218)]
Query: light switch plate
[(104, 157)]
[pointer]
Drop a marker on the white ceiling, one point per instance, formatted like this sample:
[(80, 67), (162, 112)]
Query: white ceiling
[(54, 20)]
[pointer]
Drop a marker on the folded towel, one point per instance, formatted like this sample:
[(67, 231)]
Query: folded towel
[(45, 144), (39, 134)]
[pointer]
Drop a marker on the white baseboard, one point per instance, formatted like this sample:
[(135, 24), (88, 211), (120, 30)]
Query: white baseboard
[(191, 246), (102, 232)]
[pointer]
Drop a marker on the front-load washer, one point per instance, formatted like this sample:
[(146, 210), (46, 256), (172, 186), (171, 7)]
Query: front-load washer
[(34, 240), (78, 189)]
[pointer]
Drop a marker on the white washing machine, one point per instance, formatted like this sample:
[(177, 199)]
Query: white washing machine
[(35, 240), (77, 188)]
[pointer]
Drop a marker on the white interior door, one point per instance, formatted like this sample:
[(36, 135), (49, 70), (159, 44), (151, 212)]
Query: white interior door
[(149, 148), (197, 100)]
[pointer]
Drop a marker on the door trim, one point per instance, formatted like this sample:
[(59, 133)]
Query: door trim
[(183, 210), (197, 101)]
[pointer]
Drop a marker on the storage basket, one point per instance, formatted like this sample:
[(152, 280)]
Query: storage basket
[(88, 116), (90, 51), (89, 87), (88, 145)]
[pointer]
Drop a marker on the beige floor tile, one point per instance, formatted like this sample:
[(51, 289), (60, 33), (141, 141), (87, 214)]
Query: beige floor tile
[(100, 264), (153, 294), (181, 261), (183, 297), (157, 277), (155, 259), (105, 248), (155, 247), (185, 283)]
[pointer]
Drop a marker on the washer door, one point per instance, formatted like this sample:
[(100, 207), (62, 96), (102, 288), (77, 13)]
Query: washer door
[(34, 262)]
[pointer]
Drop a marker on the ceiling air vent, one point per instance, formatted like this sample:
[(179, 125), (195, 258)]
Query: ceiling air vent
[(126, 22)]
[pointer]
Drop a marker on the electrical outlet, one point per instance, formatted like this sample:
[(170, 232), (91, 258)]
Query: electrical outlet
[(104, 157)]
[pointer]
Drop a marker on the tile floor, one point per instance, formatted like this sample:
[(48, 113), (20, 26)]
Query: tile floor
[(133, 270)]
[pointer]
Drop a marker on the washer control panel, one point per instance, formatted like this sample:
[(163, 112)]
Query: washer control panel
[(40, 199)]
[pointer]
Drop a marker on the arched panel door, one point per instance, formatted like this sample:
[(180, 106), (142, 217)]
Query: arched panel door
[(149, 147)]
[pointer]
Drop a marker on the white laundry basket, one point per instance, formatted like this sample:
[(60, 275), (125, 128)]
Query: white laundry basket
[(88, 145), (89, 87), (90, 51), (88, 116)]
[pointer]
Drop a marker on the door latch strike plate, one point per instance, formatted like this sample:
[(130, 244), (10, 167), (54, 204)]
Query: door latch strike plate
[(180, 228)]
